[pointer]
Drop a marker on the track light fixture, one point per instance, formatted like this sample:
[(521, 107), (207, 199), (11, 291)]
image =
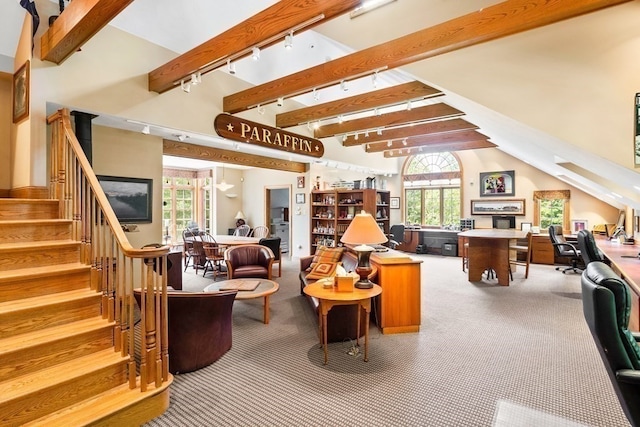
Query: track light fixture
[(186, 87), (316, 125), (288, 41), (280, 102), (261, 109), (231, 67), (379, 131), (404, 142), (374, 80), (340, 119), (182, 137), (376, 111), (366, 134), (255, 53), (344, 137), (409, 106), (343, 86), (316, 95), (196, 78), (356, 137), (389, 143), (146, 130)]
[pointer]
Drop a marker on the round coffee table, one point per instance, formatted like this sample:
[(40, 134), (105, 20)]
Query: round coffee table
[(265, 289)]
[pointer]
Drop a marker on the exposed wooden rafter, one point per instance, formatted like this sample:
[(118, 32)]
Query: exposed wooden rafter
[(428, 128), (262, 29), (80, 21), (354, 104), (503, 19), (396, 118), (437, 148), (440, 138), (201, 152)]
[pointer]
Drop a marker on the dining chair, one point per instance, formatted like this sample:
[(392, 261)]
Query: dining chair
[(214, 258), (518, 249), (242, 230), (260, 232), (273, 243)]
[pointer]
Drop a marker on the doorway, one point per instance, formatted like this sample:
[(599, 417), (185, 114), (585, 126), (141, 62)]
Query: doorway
[(278, 213)]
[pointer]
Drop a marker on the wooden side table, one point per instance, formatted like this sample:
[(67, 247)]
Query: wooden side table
[(330, 297)]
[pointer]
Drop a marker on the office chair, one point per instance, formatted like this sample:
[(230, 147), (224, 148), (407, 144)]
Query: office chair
[(588, 248), (562, 248), (396, 236), (606, 303)]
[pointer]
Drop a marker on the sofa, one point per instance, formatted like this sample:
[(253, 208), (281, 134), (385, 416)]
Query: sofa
[(342, 323)]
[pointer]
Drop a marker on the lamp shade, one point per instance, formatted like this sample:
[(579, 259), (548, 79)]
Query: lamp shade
[(240, 215), (363, 230)]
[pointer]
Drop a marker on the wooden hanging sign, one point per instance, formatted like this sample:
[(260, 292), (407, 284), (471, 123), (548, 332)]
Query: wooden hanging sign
[(236, 129)]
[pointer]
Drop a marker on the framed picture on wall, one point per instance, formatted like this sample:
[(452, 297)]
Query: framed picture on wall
[(21, 93), (500, 183), (394, 202), (578, 224), (299, 198), (300, 181), (130, 198), (497, 207)]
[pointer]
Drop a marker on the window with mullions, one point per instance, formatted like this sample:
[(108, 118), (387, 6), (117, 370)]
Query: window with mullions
[(178, 206), (432, 189)]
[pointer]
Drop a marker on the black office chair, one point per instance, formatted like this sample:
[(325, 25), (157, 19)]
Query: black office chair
[(562, 248), (396, 235), (606, 303), (588, 248)]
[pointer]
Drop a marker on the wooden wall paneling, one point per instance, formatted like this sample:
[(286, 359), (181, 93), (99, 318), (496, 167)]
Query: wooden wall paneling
[(416, 141), (262, 29), (437, 148), (396, 118), (490, 23), (367, 101), (80, 21), (193, 151)]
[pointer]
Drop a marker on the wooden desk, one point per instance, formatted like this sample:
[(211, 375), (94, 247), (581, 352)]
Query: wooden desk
[(489, 248), (628, 269), (330, 297), (398, 307)]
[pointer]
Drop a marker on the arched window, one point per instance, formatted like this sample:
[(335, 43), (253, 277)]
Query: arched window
[(432, 189)]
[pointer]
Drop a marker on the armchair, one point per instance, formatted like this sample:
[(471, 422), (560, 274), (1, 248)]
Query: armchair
[(588, 248), (245, 261), (199, 328), (562, 248), (606, 303)]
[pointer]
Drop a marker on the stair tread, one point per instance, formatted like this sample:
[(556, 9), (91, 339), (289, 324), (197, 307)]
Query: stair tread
[(35, 221), (49, 270), (26, 340), (44, 300), (38, 244), (63, 372)]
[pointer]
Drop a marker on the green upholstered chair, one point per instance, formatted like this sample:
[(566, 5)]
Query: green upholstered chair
[(606, 302)]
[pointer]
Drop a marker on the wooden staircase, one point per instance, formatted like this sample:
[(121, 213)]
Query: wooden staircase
[(59, 362)]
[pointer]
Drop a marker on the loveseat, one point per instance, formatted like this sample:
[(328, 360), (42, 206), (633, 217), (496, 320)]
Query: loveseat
[(342, 323)]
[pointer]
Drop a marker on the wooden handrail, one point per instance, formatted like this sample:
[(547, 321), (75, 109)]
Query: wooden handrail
[(116, 267)]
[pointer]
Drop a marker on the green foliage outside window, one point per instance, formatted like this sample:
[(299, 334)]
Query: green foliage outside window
[(551, 212)]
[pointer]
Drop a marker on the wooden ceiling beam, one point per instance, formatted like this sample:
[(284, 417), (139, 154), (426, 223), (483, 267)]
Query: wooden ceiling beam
[(439, 148), (490, 23), (354, 104), (428, 128), (439, 138), (80, 21), (396, 118), (201, 152), (262, 30)]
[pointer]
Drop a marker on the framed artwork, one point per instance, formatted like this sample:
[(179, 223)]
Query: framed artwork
[(497, 207), (578, 224), (299, 198), (21, 93), (636, 134), (301, 181), (394, 202), (130, 198), (525, 226), (501, 183)]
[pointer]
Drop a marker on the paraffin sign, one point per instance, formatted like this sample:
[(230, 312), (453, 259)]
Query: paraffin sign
[(236, 129)]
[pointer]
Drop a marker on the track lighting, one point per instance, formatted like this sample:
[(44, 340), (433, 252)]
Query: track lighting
[(340, 119), (376, 111), (316, 125), (366, 134), (280, 102), (404, 142), (255, 53), (316, 95), (344, 137), (146, 130), (389, 143), (182, 137), (374, 80), (409, 106), (343, 86), (196, 78), (379, 132), (288, 40), (260, 109), (231, 67), (186, 88), (356, 137)]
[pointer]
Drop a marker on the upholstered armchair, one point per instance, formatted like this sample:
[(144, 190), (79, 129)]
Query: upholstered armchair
[(199, 328), (606, 302), (245, 261)]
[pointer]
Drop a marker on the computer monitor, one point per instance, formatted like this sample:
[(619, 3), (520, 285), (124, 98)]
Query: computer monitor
[(503, 221)]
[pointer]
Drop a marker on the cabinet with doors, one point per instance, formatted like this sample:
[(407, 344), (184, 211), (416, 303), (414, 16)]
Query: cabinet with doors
[(333, 210)]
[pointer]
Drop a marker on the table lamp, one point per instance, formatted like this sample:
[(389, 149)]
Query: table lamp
[(363, 231)]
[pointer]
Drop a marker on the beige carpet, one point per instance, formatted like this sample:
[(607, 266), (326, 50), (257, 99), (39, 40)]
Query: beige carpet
[(485, 355)]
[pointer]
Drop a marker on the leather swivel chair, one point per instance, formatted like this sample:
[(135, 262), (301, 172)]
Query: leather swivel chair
[(273, 243), (606, 303), (199, 328), (249, 261), (562, 248), (396, 236), (588, 248)]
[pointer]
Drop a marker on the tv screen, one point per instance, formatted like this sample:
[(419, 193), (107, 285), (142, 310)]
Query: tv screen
[(504, 221), (130, 198)]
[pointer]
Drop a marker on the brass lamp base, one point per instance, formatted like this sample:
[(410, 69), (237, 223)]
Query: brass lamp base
[(364, 267)]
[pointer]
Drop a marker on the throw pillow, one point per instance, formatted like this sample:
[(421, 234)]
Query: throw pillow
[(322, 270), (326, 254)]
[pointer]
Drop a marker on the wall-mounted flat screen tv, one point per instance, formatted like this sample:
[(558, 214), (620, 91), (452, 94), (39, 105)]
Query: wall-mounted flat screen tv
[(130, 198)]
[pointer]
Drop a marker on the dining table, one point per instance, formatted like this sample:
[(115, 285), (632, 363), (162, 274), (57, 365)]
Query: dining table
[(489, 250)]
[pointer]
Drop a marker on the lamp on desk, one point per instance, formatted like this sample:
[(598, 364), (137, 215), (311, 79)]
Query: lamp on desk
[(363, 231)]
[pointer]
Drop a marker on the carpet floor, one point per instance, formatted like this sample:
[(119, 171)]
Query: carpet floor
[(486, 355)]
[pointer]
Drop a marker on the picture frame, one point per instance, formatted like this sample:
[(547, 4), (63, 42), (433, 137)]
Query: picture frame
[(579, 224), (525, 226), (21, 93), (498, 183), (300, 198), (394, 202), (636, 134), (300, 181), (498, 207), (130, 198)]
